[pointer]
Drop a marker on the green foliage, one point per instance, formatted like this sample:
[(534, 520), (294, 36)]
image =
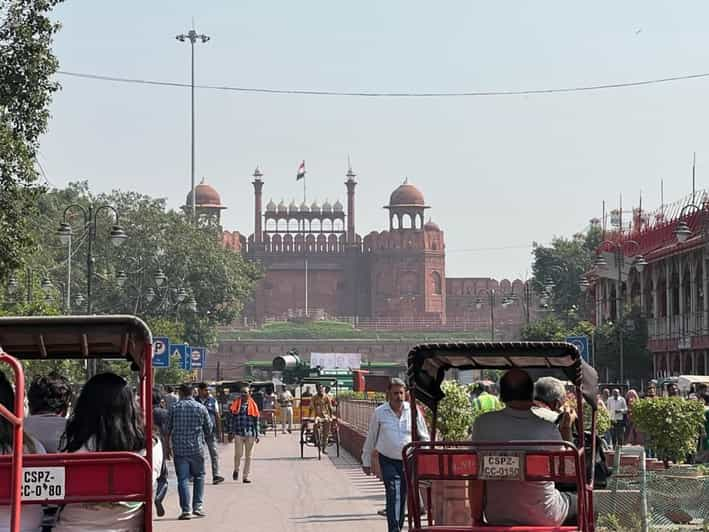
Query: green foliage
[(380, 397), (673, 424), (603, 418), (27, 67), (319, 329), (455, 413)]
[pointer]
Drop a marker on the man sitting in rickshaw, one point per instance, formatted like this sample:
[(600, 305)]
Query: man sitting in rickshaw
[(515, 502)]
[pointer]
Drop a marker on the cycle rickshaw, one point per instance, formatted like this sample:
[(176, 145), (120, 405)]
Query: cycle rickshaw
[(309, 430), (68, 478), (479, 463)]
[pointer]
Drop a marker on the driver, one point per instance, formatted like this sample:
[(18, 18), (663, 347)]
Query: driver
[(535, 503)]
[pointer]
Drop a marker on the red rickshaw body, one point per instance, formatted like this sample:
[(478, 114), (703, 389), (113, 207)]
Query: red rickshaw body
[(76, 477), (530, 461)]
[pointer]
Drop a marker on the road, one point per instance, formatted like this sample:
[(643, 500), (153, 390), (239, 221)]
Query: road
[(287, 494)]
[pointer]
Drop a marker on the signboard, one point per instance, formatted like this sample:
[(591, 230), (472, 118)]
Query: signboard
[(184, 352), (199, 357), (581, 343), (336, 360), (161, 352)]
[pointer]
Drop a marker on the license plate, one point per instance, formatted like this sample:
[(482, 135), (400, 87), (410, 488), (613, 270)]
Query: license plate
[(42, 483), (500, 467)]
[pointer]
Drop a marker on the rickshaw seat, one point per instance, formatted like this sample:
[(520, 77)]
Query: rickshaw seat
[(89, 477), (460, 461)]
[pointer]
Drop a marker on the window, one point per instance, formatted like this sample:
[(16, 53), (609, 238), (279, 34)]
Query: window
[(437, 283)]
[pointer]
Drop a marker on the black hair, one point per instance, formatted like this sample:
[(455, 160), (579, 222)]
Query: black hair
[(185, 390), (157, 397), (106, 416), (202, 386), (169, 389), (49, 393), (516, 385)]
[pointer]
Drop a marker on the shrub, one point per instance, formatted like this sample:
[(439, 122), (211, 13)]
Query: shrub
[(455, 413), (673, 425), (603, 418)]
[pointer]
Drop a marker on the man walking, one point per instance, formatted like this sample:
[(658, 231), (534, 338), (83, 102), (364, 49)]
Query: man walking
[(210, 403), (389, 431), (187, 424), (245, 427), (618, 409), (286, 402)]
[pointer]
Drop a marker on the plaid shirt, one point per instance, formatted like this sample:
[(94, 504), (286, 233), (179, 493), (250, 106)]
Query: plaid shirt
[(243, 424), (187, 424), (210, 403)]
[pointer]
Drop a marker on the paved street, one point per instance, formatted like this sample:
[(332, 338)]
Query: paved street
[(287, 494)]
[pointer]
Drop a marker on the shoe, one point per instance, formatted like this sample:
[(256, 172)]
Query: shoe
[(246, 481), (159, 508), (235, 475), (218, 480), (382, 512), (185, 516), (290, 431), (199, 513)]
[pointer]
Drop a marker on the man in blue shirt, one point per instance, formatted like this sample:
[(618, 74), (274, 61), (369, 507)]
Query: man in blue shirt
[(187, 424), (210, 403)]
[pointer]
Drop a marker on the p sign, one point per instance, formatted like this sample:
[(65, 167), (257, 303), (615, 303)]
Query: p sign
[(581, 343), (161, 352)]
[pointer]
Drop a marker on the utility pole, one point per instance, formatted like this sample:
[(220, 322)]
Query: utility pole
[(192, 36)]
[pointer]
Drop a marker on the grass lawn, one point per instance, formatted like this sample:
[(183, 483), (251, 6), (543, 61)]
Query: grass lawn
[(317, 330)]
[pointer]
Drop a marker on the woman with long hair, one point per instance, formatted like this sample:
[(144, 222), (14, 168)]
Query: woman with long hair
[(31, 517), (106, 417)]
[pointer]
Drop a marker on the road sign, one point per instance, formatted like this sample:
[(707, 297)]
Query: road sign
[(199, 357), (581, 343), (161, 352), (182, 351)]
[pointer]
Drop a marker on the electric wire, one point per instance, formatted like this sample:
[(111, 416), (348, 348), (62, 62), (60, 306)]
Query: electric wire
[(385, 94)]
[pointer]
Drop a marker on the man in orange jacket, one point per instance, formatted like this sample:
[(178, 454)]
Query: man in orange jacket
[(245, 429)]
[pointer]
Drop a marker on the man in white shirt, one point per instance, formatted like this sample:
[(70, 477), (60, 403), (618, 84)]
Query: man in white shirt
[(617, 408), (389, 431)]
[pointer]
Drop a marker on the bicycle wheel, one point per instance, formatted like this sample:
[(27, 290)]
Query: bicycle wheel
[(302, 441)]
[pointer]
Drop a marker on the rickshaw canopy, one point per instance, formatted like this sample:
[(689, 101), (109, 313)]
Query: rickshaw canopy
[(76, 337), (427, 364), (685, 382)]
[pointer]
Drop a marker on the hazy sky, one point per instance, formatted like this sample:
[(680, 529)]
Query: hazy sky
[(498, 172)]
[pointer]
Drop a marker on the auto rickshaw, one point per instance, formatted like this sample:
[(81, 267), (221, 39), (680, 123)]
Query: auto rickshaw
[(480, 463), (67, 478)]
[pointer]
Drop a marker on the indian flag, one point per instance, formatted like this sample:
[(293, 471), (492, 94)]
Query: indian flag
[(301, 171)]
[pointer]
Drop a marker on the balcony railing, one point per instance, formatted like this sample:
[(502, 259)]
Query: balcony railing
[(688, 325)]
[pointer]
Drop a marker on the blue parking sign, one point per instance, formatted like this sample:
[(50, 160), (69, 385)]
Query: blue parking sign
[(184, 352), (161, 352), (199, 356), (581, 343)]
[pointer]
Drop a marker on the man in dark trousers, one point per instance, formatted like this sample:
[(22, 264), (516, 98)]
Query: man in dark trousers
[(210, 403)]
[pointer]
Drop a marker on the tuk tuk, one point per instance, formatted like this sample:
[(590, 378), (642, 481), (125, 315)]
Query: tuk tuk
[(67, 478), (688, 384), (523, 461)]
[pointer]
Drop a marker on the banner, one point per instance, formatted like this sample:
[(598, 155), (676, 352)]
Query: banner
[(336, 360)]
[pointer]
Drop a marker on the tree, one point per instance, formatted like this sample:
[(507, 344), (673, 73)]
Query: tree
[(27, 66), (563, 263)]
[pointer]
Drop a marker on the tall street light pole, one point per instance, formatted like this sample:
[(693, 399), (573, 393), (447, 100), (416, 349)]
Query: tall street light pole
[(639, 263), (192, 36)]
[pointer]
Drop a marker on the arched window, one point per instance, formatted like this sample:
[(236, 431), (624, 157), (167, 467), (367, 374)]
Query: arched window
[(271, 224), (437, 283), (395, 221), (407, 223)]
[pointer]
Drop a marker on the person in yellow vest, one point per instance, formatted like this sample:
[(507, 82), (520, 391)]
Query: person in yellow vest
[(321, 410), (245, 427)]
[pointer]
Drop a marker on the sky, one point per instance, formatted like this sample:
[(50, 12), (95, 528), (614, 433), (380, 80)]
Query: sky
[(499, 172)]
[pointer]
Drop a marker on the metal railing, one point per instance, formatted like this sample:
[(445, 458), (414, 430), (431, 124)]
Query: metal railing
[(356, 412)]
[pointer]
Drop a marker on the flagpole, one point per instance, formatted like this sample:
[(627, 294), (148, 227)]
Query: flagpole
[(694, 163), (306, 288)]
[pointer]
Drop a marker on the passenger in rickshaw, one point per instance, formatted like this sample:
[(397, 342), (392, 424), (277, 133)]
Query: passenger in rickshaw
[(321, 410), (549, 399), (534, 503), (49, 399), (107, 417), (31, 517)]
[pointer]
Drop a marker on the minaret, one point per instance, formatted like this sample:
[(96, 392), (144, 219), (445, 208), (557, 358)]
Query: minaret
[(258, 217), (351, 183)]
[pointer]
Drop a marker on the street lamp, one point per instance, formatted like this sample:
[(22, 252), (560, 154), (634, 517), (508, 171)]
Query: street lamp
[(639, 263), (117, 236), (682, 230), (490, 293), (192, 36)]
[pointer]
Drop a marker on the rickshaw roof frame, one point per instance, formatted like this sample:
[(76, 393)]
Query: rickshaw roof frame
[(115, 337), (427, 364)]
